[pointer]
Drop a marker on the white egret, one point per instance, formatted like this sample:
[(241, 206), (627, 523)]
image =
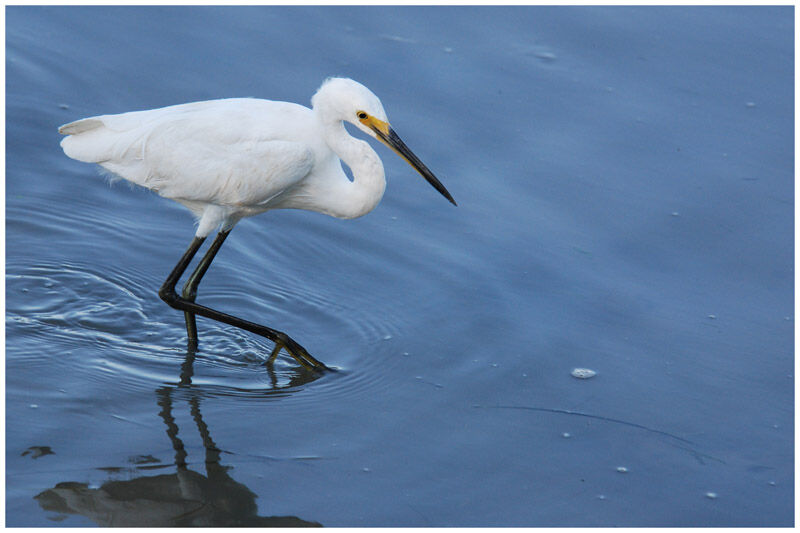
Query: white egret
[(234, 158)]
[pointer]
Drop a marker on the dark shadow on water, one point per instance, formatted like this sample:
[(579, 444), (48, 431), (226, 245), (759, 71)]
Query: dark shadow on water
[(185, 498)]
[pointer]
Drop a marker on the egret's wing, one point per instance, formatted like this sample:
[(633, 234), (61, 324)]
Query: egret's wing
[(238, 174), (225, 152)]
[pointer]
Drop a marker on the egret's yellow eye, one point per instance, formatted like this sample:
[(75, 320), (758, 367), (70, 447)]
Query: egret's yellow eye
[(361, 115)]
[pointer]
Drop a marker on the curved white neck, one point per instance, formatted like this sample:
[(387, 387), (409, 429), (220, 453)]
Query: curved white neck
[(359, 197)]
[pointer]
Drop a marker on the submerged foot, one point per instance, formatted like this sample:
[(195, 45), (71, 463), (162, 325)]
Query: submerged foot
[(298, 353)]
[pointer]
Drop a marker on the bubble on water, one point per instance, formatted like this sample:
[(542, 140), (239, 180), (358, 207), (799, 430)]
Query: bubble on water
[(366, 469), (772, 483), (583, 373), (547, 57), (448, 50), (63, 106), (622, 470), (398, 39), (601, 496), (711, 495), (33, 406), (750, 104), (675, 214), (566, 435), (712, 317), (387, 337)]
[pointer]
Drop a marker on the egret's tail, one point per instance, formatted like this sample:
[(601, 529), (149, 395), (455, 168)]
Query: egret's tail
[(80, 126), (86, 140), (108, 140)]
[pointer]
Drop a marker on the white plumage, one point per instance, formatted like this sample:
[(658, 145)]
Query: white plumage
[(234, 158)]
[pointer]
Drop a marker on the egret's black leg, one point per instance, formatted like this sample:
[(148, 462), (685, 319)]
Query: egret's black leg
[(168, 294), (187, 368), (169, 285), (180, 268), (190, 289)]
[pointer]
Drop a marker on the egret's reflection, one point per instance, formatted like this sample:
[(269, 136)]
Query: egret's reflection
[(185, 497)]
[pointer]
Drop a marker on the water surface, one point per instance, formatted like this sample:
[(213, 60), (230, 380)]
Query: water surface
[(625, 187)]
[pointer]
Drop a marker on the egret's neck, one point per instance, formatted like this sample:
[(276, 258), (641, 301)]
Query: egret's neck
[(359, 197)]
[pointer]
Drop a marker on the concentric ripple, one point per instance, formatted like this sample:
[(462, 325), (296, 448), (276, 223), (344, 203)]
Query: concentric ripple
[(109, 323)]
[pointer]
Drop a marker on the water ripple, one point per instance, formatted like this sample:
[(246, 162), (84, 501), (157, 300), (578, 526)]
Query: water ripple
[(138, 342)]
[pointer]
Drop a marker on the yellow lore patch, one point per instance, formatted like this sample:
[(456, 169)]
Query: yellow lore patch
[(373, 123)]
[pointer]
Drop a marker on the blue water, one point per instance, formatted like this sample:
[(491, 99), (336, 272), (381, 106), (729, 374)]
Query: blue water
[(625, 187)]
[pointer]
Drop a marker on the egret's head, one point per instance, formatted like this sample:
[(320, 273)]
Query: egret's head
[(342, 99)]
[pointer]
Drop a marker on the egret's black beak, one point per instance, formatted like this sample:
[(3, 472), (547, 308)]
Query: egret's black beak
[(390, 138)]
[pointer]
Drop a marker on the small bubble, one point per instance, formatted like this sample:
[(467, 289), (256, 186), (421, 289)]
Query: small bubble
[(405, 354), (772, 483), (365, 469), (524, 375), (711, 495), (387, 337), (601, 496), (495, 365), (566, 435), (33, 406), (787, 318), (750, 104), (547, 57), (675, 214), (622, 470), (583, 373), (712, 317), (63, 106), (448, 50)]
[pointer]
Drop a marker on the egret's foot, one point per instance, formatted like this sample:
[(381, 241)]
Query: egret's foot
[(187, 304), (297, 352)]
